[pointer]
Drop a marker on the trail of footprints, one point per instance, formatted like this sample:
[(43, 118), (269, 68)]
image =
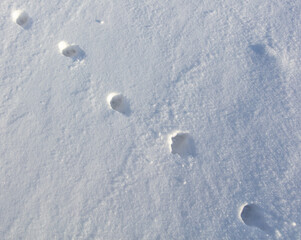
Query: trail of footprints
[(180, 143)]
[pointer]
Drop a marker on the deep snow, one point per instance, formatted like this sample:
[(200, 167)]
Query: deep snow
[(225, 72)]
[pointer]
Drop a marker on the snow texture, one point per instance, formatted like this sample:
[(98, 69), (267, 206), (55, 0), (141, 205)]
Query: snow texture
[(74, 166)]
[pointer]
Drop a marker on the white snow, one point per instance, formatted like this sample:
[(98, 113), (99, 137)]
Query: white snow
[(63, 45), (225, 72)]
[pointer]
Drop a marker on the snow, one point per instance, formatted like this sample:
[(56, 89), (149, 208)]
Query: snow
[(226, 72)]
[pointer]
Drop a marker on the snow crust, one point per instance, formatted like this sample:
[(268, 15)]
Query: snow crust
[(75, 166)]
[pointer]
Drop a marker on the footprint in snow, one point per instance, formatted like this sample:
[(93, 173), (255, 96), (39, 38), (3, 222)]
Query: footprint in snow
[(264, 55), (72, 51), (119, 103), (22, 18), (253, 216), (181, 143)]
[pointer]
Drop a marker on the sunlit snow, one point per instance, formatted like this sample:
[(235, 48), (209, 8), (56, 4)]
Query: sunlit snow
[(150, 119)]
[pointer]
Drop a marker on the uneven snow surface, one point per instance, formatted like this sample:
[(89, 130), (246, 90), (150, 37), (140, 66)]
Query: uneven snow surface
[(75, 165)]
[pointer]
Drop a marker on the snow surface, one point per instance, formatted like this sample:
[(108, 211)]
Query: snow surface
[(226, 72)]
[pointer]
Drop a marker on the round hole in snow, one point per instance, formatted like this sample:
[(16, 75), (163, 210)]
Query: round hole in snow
[(67, 50), (116, 102), (20, 17), (181, 143)]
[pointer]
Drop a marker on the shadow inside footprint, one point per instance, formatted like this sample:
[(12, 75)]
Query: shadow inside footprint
[(74, 52), (253, 215), (22, 19), (258, 48), (27, 25), (182, 143), (263, 55), (119, 103)]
